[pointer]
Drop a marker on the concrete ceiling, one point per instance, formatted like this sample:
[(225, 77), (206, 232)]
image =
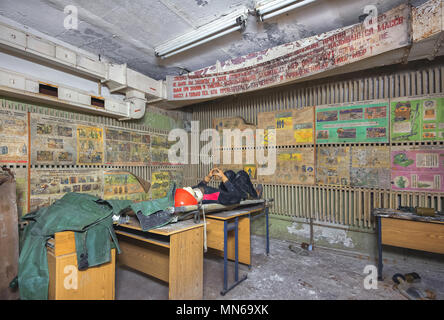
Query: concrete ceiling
[(126, 31)]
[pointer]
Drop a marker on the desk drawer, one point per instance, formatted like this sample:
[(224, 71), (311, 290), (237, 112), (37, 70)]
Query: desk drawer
[(415, 235)]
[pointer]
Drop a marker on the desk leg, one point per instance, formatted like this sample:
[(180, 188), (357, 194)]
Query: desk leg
[(236, 257), (236, 249), (225, 256), (186, 265), (380, 265), (268, 231)]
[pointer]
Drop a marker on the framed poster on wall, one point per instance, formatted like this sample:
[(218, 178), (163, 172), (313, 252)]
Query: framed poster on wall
[(417, 119), (54, 140), (370, 167), (418, 168), (293, 126), (352, 123), (293, 166), (333, 166), (13, 136)]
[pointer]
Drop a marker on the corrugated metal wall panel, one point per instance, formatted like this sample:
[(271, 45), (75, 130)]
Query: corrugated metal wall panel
[(345, 206)]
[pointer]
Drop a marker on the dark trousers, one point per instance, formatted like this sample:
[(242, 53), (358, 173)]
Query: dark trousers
[(237, 188)]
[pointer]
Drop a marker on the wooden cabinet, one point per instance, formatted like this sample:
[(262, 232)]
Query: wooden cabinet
[(66, 282)]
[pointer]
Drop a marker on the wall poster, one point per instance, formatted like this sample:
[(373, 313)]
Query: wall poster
[(352, 123), (417, 119), (221, 124), (293, 166), (53, 140), (418, 168), (13, 136), (21, 181), (370, 167), (90, 148), (159, 149), (163, 179), (293, 127), (333, 166), (121, 185), (49, 185), (125, 147)]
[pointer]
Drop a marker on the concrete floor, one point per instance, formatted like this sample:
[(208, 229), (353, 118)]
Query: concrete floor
[(288, 275)]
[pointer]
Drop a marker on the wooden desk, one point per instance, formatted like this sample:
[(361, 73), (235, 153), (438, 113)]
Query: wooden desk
[(399, 229), (234, 245), (94, 283), (173, 254)]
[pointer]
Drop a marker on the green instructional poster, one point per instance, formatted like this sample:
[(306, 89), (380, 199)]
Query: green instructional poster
[(417, 119), (348, 123)]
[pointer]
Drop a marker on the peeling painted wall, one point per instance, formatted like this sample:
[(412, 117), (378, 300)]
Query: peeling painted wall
[(321, 235), (127, 31)]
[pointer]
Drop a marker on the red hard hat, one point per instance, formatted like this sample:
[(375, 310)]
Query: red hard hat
[(184, 198)]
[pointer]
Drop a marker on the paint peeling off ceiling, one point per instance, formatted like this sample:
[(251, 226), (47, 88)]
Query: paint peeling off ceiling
[(127, 31)]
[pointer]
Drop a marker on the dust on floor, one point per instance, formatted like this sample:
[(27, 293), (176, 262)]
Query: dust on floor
[(288, 275)]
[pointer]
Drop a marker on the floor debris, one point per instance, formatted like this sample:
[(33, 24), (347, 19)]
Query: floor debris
[(322, 275)]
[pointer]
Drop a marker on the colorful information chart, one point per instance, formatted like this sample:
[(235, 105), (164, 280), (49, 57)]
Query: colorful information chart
[(13, 136), (54, 140), (49, 185), (293, 166), (162, 181), (123, 186), (159, 149), (352, 123), (418, 168), (333, 166), (89, 145), (417, 119), (370, 167), (293, 127), (126, 147)]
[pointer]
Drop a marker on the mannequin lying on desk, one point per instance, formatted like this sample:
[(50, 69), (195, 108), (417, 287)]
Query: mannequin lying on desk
[(234, 190)]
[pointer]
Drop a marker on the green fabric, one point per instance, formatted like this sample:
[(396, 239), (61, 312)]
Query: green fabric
[(91, 220), (149, 207), (146, 207)]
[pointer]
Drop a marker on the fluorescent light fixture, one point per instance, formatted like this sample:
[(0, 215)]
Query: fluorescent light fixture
[(267, 10), (216, 29)]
